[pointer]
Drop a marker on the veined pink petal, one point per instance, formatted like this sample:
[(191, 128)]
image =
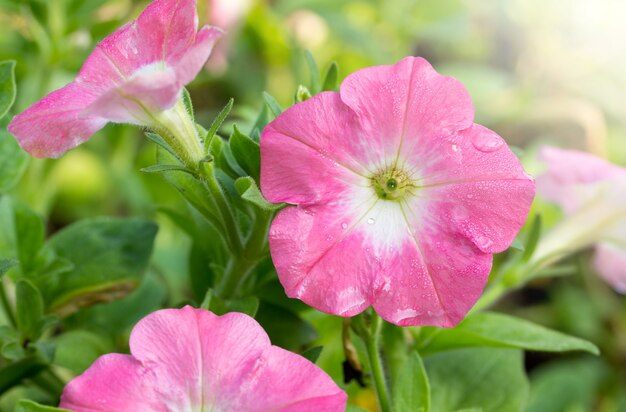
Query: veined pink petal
[(167, 28), (189, 64), (132, 75), (55, 124), (190, 359), (400, 199), (150, 90), (401, 105), (114, 382), (610, 261)]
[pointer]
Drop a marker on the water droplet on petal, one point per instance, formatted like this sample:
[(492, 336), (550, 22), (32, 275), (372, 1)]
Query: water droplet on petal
[(370, 221), (344, 225), (455, 148), (487, 141)]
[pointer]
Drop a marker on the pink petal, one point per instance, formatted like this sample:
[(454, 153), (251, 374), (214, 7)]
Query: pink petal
[(573, 177), (189, 64), (166, 28), (319, 256), (152, 89), (478, 187), (283, 381), (403, 104), (309, 153), (610, 261), (55, 124), (114, 382), (434, 277)]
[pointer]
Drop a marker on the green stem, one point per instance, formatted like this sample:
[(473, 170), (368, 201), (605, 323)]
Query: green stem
[(372, 341), (6, 305), (235, 274)]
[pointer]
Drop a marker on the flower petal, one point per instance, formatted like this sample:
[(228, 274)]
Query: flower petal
[(152, 89), (189, 64), (574, 178), (114, 382), (283, 381), (404, 104), (309, 152), (320, 258), (195, 353), (55, 124), (166, 28), (478, 187), (610, 261), (434, 278)]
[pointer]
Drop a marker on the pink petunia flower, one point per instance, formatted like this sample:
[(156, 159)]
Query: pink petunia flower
[(591, 192), (401, 199), (135, 76), (191, 360)]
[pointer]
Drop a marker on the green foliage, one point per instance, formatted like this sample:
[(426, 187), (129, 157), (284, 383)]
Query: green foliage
[(487, 379), (13, 161), (7, 86), (25, 405), (285, 329), (249, 191), (30, 310), (331, 77), (499, 330), (109, 257), (412, 390), (246, 152), (313, 354)]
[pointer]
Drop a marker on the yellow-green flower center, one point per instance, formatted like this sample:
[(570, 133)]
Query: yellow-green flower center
[(391, 184)]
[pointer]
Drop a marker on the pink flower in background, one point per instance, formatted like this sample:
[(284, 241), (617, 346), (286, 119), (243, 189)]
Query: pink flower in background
[(132, 75), (592, 193), (191, 360), (401, 199), (227, 14)]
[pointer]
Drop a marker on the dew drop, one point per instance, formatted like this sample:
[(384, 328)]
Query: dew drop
[(344, 225), (370, 221), (487, 141), (455, 148)]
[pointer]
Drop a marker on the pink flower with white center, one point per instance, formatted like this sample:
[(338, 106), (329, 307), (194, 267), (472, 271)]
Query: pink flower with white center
[(591, 192), (135, 76), (192, 360), (401, 199)]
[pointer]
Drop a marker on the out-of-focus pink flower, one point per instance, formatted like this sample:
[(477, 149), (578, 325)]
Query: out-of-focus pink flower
[(227, 14), (592, 193), (131, 77), (401, 199), (191, 360)]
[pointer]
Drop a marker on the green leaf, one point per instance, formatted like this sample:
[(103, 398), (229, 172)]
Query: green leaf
[(312, 354), (13, 373), (248, 305), (76, 350), (313, 71), (13, 161), (354, 408), (246, 152), (498, 330), (29, 235), (156, 138), (25, 405), (487, 379), (285, 329), (302, 94), (188, 103), (30, 309), (532, 239), (272, 104), (247, 188), (5, 265), (109, 257), (167, 168), (7, 86), (217, 123), (412, 391), (331, 77)]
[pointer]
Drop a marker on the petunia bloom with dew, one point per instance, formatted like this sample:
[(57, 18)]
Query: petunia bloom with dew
[(592, 192), (135, 75), (192, 360), (401, 199)]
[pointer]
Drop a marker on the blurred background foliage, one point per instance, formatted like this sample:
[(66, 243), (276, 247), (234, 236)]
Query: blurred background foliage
[(538, 72)]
